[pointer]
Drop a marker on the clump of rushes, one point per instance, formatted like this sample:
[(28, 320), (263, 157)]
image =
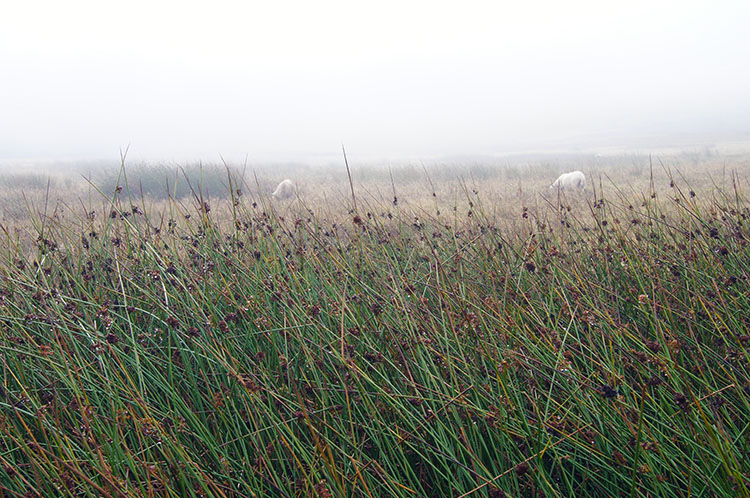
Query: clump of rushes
[(217, 349)]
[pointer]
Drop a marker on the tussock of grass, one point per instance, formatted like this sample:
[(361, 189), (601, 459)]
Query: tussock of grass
[(588, 348)]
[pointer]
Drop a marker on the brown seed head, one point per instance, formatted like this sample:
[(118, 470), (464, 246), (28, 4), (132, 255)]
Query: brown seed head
[(522, 468)]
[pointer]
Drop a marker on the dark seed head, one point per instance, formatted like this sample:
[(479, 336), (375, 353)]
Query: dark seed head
[(655, 347), (654, 381), (496, 492), (681, 401)]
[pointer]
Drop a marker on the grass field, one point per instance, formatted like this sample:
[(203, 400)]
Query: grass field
[(461, 331)]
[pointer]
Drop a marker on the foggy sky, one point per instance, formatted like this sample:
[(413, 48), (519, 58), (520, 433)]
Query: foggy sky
[(294, 80)]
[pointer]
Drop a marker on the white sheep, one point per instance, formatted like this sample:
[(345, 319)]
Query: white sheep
[(285, 190), (567, 181)]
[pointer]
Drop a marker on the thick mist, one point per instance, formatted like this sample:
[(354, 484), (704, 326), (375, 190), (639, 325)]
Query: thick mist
[(295, 80)]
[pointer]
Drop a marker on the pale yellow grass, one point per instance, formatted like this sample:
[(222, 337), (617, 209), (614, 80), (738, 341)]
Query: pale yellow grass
[(450, 192)]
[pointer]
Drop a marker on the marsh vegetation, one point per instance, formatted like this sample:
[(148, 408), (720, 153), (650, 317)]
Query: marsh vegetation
[(462, 331)]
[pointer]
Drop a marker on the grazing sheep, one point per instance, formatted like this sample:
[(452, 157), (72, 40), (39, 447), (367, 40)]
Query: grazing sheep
[(567, 181), (285, 190)]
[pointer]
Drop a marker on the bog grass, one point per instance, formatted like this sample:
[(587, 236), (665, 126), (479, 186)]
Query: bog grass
[(464, 337)]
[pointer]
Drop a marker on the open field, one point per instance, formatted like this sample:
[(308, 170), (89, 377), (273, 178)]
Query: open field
[(461, 331)]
